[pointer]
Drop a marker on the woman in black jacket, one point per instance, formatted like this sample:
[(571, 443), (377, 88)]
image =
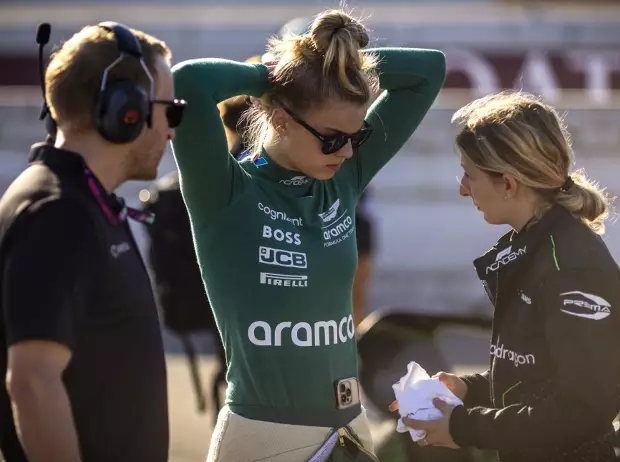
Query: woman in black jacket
[(553, 386)]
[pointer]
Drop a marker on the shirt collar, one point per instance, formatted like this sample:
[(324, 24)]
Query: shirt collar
[(264, 167)]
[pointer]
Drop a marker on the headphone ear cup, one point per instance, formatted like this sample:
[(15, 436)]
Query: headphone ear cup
[(122, 111)]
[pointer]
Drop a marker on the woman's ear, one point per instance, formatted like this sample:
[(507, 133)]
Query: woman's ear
[(279, 122), (511, 185)]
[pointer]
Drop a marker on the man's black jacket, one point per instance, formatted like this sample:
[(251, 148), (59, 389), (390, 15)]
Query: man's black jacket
[(553, 387)]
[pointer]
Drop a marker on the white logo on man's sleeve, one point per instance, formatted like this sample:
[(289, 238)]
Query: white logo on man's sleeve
[(116, 250), (583, 305)]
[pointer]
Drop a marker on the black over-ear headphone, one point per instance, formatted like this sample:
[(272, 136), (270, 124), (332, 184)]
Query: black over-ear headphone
[(123, 107)]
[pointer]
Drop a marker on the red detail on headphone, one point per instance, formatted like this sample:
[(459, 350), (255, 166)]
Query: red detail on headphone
[(130, 117)]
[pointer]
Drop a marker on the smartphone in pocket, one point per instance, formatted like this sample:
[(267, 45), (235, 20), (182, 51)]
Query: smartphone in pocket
[(347, 393)]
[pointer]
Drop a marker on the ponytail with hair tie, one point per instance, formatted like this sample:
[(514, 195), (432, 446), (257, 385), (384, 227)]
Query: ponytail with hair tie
[(569, 183)]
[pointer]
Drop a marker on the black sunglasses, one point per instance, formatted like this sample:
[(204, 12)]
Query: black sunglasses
[(174, 110), (334, 143)]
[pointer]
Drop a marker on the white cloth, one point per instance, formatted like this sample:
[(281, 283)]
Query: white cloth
[(415, 393)]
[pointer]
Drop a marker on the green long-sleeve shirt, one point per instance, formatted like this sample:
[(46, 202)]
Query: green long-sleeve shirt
[(277, 249)]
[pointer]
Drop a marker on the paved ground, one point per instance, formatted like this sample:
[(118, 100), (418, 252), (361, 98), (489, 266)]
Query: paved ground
[(190, 431)]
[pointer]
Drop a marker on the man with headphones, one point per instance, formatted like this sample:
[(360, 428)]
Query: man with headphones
[(84, 362)]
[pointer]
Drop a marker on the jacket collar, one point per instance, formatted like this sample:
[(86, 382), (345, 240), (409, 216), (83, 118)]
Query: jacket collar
[(513, 250)]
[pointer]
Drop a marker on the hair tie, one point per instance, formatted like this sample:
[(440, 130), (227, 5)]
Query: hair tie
[(336, 30), (567, 184)]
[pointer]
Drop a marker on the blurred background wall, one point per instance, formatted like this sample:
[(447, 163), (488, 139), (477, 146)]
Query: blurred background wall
[(427, 236)]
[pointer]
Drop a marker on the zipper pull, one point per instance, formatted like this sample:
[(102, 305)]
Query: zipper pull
[(340, 436)]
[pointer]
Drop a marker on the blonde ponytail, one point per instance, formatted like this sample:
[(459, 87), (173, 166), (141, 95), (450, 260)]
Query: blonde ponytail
[(586, 200), (339, 38)]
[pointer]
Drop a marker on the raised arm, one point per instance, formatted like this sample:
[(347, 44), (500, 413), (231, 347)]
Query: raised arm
[(209, 174), (411, 79)]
